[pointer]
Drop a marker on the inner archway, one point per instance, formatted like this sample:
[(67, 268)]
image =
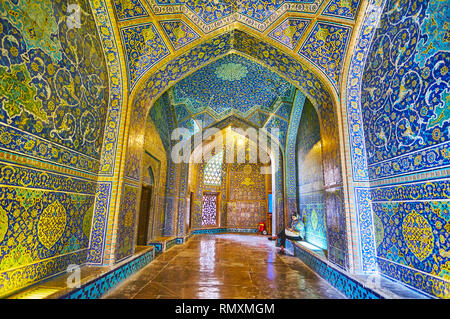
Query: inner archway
[(196, 112)]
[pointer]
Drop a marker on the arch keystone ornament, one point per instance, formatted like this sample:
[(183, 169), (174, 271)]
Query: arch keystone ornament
[(52, 224), (418, 235)]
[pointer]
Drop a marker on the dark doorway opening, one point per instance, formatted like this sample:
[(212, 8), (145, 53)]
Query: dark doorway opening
[(144, 214)]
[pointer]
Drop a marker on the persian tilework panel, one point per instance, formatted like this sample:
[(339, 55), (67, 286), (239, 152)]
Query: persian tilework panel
[(342, 9), (163, 120), (259, 10), (309, 150), (366, 230), (209, 11), (430, 285), (144, 47), (291, 147), (105, 283), (205, 119), (129, 9), (179, 33), (181, 112), (310, 85), (209, 231), (284, 110), (22, 277), (157, 246), (127, 221), (412, 233), (197, 218), (326, 47), (279, 195), (244, 214), (310, 177), (351, 288), (184, 171), (212, 175), (110, 48), (169, 212), (232, 83), (181, 217), (14, 175), (336, 229), (247, 205), (170, 200), (248, 45), (355, 74), (171, 243), (405, 90), (53, 83), (99, 225), (212, 13), (246, 182), (209, 210), (276, 125), (255, 119), (191, 125), (290, 31), (41, 230), (313, 210)]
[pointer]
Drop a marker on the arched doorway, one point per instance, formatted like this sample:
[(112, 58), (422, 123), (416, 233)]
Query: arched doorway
[(291, 70), (146, 210)]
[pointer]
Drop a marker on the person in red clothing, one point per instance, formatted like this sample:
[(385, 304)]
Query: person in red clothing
[(262, 228)]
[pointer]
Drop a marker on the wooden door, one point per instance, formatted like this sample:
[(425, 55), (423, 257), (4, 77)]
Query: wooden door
[(143, 221)]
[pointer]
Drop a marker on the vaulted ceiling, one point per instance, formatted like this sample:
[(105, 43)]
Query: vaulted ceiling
[(232, 90), (232, 85), (316, 31)]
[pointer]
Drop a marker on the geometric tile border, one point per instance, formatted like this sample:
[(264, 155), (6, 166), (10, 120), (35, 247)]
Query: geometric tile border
[(99, 286), (365, 227), (350, 287), (419, 281)]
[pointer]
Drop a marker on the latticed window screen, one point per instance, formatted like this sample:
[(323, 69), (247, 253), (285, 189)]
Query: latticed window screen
[(209, 210), (213, 170)]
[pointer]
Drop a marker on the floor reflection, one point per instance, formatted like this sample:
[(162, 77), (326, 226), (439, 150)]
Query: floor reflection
[(225, 266)]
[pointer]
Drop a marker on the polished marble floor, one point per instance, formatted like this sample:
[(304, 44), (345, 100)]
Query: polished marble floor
[(225, 266)]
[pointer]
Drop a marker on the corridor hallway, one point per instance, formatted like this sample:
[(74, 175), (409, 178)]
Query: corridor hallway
[(128, 127), (225, 266)]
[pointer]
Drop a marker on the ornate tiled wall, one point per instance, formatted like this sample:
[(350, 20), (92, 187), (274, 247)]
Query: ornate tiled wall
[(69, 91), (156, 157), (350, 287), (402, 109), (246, 202), (54, 91), (149, 33), (325, 47), (97, 287), (163, 118), (54, 84), (310, 177), (271, 57), (125, 241), (412, 231), (291, 153), (181, 230)]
